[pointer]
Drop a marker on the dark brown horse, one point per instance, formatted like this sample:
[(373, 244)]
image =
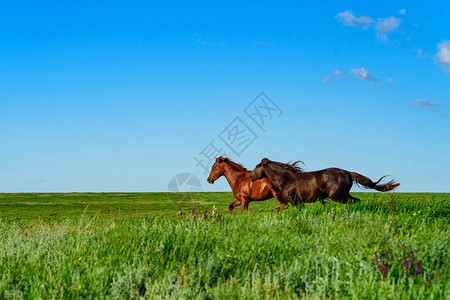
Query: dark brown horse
[(243, 189), (295, 186)]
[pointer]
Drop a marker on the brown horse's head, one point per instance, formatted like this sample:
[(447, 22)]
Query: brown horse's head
[(259, 172), (216, 170)]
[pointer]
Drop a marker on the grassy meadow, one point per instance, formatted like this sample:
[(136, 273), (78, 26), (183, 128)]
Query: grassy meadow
[(188, 246)]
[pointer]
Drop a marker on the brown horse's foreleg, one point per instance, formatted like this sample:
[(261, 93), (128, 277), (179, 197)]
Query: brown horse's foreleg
[(245, 203), (233, 205)]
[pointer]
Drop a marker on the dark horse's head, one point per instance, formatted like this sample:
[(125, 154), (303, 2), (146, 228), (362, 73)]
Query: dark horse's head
[(268, 166), (259, 171), (216, 170)]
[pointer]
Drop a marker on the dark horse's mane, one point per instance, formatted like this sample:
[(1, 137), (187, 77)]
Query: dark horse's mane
[(236, 166), (293, 167)]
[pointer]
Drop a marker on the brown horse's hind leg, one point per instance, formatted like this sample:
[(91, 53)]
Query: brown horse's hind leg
[(233, 205)]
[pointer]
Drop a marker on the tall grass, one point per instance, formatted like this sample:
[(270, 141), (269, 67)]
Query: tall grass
[(291, 254)]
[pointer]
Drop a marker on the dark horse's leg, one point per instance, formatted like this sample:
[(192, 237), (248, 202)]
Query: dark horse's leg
[(340, 191), (352, 199), (277, 194), (233, 205), (345, 199)]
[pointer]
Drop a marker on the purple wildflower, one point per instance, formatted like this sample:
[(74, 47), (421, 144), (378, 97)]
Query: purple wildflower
[(383, 267), (353, 214), (416, 273), (193, 210), (376, 258), (406, 263), (195, 217), (413, 257), (345, 217), (181, 213), (384, 271), (205, 216), (334, 215)]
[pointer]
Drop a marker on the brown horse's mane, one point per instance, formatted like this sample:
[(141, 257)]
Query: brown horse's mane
[(235, 166), (293, 167)]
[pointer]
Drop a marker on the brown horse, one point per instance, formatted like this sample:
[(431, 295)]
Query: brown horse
[(243, 189), (295, 186)]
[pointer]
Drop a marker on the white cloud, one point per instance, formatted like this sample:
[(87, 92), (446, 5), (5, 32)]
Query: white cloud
[(402, 11), (387, 24), (347, 18), (326, 78), (390, 80), (363, 74), (443, 56), (382, 26), (339, 74), (428, 105)]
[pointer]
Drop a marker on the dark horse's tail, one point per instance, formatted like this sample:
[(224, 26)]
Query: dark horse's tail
[(368, 183)]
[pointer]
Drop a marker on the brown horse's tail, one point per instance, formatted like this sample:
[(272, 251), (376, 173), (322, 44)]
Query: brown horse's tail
[(369, 184)]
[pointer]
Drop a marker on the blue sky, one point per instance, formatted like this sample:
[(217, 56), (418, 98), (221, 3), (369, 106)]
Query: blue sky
[(121, 96)]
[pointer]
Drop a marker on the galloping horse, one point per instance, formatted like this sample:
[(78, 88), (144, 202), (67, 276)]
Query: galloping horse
[(295, 186), (243, 189)]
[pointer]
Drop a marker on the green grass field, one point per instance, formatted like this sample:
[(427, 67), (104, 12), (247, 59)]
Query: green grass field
[(132, 245)]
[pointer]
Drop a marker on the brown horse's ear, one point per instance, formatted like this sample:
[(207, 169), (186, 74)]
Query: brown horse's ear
[(264, 160)]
